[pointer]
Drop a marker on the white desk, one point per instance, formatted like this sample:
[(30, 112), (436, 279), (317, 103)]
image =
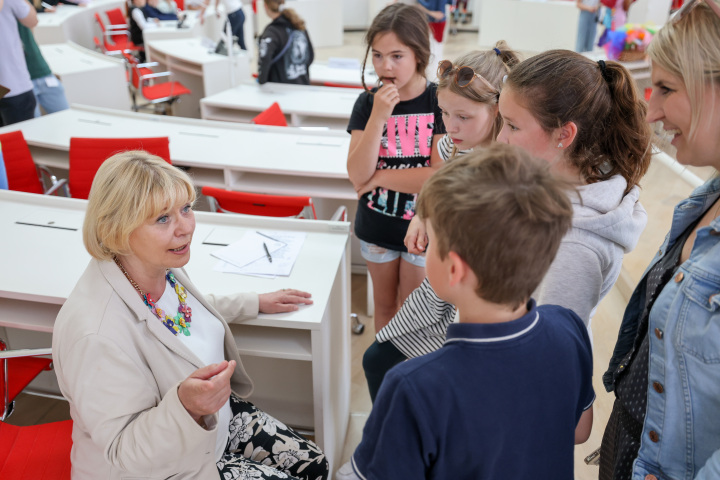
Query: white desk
[(88, 77), (168, 29), (276, 160), (73, 23), (303, 105), (321, 73), (253, 158), (323, 20), (300, 361), (203, 72)]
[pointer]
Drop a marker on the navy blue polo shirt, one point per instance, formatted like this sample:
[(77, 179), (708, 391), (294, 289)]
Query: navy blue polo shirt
[(496, 401)]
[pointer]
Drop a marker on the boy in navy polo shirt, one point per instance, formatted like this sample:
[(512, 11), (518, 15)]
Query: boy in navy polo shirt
[(510, 393)]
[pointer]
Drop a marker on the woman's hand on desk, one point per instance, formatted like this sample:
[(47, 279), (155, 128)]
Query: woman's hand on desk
[(285, 300), (207, 389)]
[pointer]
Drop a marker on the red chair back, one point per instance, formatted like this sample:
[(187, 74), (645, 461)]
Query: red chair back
[(258, 203), (273, 115), (180, 4), (116, 17), (87, 154), (21, 172), (36, 452)]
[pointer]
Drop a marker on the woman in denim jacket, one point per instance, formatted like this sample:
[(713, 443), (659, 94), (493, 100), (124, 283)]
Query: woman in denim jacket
[(665, 369)]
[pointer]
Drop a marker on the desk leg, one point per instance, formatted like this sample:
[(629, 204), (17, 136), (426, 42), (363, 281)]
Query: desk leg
[(331, 367)]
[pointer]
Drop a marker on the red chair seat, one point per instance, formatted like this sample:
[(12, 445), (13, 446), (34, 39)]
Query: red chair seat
[(24, 370), (36, 452), (164, 90)]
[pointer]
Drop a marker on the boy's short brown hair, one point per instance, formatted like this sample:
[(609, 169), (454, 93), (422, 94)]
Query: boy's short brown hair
[(504, 213)]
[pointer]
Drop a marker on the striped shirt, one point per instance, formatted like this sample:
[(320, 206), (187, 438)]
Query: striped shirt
[(419, 327)]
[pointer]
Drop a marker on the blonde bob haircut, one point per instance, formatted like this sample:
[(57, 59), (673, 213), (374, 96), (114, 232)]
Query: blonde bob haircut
[(130, 188), (690, 49)]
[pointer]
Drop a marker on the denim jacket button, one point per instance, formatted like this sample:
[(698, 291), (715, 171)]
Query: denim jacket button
[(679, 277), (659, 333), (715, 232), (654, 436), (658, 387), (650, 477)]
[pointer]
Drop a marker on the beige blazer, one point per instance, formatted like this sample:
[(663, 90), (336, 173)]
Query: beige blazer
[(120, 367)]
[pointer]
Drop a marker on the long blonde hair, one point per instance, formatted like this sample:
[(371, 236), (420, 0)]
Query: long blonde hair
[(690, 49), (292, 16), (493, 65)]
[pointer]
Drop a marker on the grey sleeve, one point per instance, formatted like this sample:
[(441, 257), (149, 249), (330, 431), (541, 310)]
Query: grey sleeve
[(573, 281)]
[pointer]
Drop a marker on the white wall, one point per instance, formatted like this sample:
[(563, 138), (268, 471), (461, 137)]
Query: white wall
[(529, 25), (655, 11)]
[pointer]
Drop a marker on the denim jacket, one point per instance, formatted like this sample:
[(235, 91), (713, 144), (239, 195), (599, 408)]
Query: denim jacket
[(681, 432)]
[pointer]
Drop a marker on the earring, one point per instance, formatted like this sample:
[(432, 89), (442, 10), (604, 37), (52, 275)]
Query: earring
[(560, 145)]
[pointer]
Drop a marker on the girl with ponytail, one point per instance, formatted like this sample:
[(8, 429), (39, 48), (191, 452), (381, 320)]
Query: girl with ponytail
[(587, 120), (285, 50)]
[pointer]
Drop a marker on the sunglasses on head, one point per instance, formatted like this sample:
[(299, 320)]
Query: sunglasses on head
[(464, 76)]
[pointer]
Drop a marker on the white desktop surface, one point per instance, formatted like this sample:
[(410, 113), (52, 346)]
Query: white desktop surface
[(307, 105), (88, 77), (242, 157), (41, 265), (321, 72), (190, 50), (201, 70), (73, 23)]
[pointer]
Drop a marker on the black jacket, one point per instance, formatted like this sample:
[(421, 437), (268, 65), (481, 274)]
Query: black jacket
[(294, 64)]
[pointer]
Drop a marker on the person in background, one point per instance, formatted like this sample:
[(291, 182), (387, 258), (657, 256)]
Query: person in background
[(152, 10), (19, 103), (285, 49), (665, 368), (468, 91), (235, 17), (3, 173), (587, 25), (49, 92), (491, 403), (435, 11), (138, 23), (395, 128), (147, 362)]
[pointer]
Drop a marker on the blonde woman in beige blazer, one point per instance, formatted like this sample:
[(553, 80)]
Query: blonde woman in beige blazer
[(157, 394)]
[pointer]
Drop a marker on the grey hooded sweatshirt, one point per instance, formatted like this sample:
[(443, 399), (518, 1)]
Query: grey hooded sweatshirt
[(605, 226)]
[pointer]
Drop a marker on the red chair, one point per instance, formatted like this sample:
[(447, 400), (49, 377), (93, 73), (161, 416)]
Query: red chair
[(16, 373), (22, 173), (142, 82), (38, 451), (272, 115), (87, 154), (228, 201), (116, 36)]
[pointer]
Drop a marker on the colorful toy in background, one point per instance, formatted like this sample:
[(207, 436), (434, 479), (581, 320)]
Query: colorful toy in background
[(628, 42)]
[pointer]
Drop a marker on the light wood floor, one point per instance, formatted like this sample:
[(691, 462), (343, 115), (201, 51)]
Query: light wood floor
[(661, 191)]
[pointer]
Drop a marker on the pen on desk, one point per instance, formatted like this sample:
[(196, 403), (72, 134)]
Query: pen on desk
[(267, 252)]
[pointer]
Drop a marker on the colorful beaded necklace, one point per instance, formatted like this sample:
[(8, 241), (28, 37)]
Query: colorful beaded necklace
[(181, 321)]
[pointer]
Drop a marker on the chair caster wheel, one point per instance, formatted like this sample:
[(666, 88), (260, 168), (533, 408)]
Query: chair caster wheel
[(357, 327)]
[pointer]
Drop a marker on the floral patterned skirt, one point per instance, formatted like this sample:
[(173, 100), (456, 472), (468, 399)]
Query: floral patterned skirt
[(261, 447)]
